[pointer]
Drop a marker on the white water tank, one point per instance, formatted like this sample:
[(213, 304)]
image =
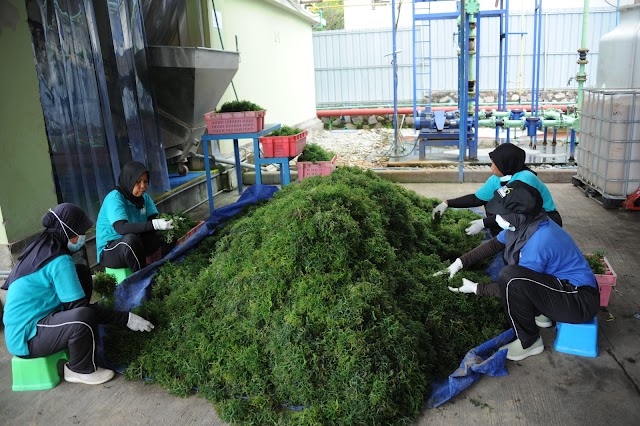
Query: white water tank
[(619, 52)]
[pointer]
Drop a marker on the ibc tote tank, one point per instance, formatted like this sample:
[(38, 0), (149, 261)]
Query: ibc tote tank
[(610, 156)]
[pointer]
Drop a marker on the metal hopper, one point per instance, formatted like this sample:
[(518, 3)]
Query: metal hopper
[(188, 82)]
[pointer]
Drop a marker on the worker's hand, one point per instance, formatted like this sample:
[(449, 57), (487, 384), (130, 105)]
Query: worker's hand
[(137, 323), (475, 227), (440, 209), (451, 269), (468, 286), (162, 224)]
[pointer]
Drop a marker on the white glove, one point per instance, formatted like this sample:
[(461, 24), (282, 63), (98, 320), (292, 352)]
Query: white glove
[(137, 323), (468, 286), (451, 269), (440, 209), (162, 224), (475, 227)]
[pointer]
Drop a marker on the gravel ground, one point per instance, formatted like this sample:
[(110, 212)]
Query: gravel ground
[(374, 148)]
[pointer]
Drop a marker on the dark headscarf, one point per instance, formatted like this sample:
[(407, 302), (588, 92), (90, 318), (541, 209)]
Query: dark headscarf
[(521, 205), (52, 242), (129, 175), (509, 159)]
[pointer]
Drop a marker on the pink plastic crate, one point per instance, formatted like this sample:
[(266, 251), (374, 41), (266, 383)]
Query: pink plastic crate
[(234, 122), (283, 146), (321, 168), (186, 236), (606, 282)]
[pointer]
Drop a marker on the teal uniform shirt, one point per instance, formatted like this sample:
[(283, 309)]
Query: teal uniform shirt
[(486, 191), (116, 207), (34, 296)]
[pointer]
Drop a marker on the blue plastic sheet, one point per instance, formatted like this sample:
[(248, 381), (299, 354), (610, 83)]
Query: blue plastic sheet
[(483, 359), (133, 290)]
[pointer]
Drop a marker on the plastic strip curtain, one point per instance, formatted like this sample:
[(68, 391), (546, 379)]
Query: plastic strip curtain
[(127, 32), (71, 104), (96, 98)]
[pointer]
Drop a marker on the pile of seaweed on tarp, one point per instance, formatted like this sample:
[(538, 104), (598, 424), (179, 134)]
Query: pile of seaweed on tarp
[(317, 307)]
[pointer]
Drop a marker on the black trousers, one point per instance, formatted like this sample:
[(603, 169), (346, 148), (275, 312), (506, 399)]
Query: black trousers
[(130, 251), (76, 329), (526, 294)]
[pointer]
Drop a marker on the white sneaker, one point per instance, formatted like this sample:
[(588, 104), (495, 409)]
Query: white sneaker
[(543, 322), (515, 351), (101, 375)]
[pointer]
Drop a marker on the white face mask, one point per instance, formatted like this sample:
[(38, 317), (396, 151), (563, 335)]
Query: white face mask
[(506, 178), (504, 224), (77, 246), (81, 238)]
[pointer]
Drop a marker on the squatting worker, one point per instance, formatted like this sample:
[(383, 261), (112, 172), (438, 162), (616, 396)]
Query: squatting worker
[(47, 307), (507, 165), (546, 276), (127, 221)]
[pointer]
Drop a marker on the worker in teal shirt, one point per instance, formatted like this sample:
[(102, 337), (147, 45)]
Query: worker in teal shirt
[(128, 221), (48, 308), (508, 165), (546, 276)]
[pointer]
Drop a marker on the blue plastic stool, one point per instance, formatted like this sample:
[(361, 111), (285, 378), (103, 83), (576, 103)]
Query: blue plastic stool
[(578, 339), (36, 373), (119, 274)]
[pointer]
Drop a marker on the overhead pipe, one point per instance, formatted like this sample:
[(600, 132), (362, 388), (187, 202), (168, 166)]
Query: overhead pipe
[(409, 110)]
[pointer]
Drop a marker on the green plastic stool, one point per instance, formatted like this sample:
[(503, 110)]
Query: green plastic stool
[(119, 274), (36, 373)]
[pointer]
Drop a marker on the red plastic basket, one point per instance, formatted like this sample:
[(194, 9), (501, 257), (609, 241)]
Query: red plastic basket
[(234, 122), (321, 168), (186, 236), (606, 282), (283, 146)]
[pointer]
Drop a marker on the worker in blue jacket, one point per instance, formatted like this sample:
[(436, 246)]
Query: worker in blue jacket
[(546, 276), (128, 221), (508, 165), (48, 308)]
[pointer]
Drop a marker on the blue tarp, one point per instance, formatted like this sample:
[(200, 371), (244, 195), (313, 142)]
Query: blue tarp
[(480, 360), (484, 359), (133, 290)]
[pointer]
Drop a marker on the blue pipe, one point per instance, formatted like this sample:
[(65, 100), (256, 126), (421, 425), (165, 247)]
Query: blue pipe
[(534, 58), (539, 57), (473, 152), (463, 77), (413, 40), (395, 75)]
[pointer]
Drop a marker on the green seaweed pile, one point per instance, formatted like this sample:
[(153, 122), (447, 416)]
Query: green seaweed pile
[(313, 153), (319, 307)]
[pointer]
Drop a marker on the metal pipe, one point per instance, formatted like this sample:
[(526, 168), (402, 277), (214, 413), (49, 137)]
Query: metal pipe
[(582, 54), (409, 110)]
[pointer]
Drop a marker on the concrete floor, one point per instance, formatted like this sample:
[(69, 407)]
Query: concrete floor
[(551, 388)]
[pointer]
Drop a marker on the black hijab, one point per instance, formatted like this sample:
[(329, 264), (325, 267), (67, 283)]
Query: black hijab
[(52, 242), (129, 175), (521, 205), (509, 159)]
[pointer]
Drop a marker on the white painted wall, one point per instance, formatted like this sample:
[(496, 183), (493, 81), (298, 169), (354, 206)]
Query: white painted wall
[(360, 14), (276, 58)]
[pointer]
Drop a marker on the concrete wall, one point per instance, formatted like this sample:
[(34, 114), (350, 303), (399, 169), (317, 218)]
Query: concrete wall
[(26, 179)]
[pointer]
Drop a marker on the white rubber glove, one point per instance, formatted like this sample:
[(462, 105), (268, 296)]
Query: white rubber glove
[(162, 224), (440, 209), (451, 269), (137, 323), (468, 286), (475, 227)]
